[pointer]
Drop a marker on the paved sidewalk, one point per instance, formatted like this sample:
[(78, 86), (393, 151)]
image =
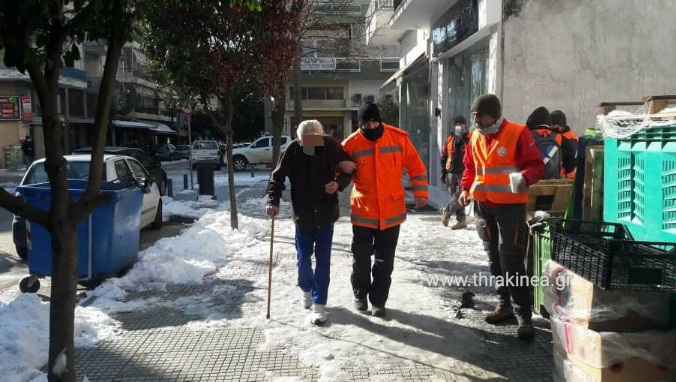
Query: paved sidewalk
[(423, 337)]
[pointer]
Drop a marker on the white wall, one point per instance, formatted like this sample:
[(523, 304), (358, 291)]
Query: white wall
[(365, 88), (411, 46), (572, 55)]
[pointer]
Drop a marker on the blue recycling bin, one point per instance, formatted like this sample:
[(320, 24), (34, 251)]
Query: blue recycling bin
[(107, 241)]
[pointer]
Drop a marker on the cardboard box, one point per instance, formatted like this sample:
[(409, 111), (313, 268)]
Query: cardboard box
[(604, 349), (579, 300), (567, 368)]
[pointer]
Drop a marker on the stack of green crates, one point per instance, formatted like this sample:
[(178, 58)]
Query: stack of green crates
[(640, 182)]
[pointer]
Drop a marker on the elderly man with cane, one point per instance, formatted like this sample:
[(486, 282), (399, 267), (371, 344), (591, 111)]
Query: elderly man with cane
[(317, 167)]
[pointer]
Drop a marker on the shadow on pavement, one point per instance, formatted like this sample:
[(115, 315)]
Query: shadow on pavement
[(9, 261)]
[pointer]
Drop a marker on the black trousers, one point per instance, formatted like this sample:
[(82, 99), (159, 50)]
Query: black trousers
[(501, 229), (452, 185), (365, 243)]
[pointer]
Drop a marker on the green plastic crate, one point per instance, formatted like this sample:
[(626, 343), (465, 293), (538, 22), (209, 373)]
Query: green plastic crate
[(542, 252), (640, 183)]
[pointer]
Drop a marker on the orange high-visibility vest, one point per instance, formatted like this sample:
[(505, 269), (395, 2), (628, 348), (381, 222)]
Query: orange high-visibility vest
[(449, 151), (377, 198), (493, 163)]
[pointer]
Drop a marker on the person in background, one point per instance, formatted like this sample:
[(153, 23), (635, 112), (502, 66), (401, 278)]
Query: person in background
[(381, 152), (501, 161), (547, 141), (451, 164), (28, 151), (568, 146), (311, 163)]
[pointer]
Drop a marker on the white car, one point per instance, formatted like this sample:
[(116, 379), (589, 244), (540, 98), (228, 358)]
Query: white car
[(206, 151), (259, 152), (116, 168)]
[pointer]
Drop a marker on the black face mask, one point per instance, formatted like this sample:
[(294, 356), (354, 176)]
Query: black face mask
[(373, 134)]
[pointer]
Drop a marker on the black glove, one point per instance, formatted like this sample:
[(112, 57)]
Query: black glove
[(443, 176)]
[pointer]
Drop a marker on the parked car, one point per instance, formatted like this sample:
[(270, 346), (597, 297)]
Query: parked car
[(259, 152), (116, 168), (148, 161), (206, 151), (182, 151), (166, 152)]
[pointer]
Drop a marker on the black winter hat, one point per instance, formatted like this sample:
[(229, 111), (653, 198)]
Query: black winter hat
[(369, 112), (488, 104), (558, 118), (459, 120), (539, 117)]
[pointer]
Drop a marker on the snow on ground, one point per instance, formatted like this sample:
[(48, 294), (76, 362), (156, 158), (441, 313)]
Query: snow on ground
[(209, 252), (242, 178), (188, 208), (165, 163)]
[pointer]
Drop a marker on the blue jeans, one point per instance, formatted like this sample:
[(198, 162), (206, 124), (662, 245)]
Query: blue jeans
[(317, 240)]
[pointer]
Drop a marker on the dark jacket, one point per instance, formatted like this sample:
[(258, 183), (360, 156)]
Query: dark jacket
[(312, 206), (28, 148), (459, 145)]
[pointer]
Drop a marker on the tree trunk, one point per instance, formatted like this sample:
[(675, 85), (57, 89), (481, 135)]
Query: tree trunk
[(278, 121), (231, 169), (297, 97), (62, 308)]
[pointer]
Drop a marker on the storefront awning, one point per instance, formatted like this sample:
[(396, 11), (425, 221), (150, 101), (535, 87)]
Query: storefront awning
[(153, 126), (132, 124), (404, 70)]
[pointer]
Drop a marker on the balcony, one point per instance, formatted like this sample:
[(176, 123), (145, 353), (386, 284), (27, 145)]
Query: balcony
[(324, 104), (410, 14), (378, 16), (329, 64)]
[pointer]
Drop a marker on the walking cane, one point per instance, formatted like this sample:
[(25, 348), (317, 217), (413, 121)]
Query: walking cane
[(272, 239)]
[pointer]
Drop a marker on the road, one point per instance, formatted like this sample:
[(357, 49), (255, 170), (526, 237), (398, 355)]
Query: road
[(13, 269)]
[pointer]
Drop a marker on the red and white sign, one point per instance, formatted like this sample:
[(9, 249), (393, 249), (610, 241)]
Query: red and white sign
[(26, 106)]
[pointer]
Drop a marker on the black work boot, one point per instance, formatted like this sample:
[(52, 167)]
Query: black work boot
[(378, 311), (525, 331), (360, 304), (502, 313)]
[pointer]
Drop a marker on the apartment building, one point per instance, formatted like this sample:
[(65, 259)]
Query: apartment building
[(337, 74)]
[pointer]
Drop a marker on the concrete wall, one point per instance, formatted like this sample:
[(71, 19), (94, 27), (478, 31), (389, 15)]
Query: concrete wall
[(572, 55), (364, 87)]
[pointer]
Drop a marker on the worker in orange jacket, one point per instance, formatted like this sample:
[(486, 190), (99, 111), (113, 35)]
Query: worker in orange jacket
[(451, 171), (568, 146), (501, 161), (381, 153)]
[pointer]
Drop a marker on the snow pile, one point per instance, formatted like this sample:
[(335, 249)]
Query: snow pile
[(24, 337), (188, 208)]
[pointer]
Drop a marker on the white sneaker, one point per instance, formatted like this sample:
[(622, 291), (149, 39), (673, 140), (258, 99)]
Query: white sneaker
[(318, 315), (306, 299)]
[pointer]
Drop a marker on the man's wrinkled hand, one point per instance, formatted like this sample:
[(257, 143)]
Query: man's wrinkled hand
[(347, 166), (420, 202), (272, 211), (331, 187), (464, 198)]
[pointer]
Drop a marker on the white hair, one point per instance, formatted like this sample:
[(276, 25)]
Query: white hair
[(311, 126)]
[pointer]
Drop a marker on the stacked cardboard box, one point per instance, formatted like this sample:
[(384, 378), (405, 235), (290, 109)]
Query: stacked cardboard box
[(608, 335)]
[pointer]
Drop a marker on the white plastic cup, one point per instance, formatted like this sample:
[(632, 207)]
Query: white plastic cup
[(515, 179)]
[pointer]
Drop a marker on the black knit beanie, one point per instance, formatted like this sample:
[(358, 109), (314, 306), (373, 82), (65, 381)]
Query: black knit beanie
[(558, 118), (539, 117), (488, 104), (369, 112), (459, 120)]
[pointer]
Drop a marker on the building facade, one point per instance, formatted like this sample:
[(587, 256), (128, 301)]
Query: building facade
[(525, 51)]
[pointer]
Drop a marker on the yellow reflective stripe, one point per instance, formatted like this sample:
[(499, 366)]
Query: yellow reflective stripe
[(362, 153), (492, 188), (396, 219), (496, 170), (360, 219), (390, 149)]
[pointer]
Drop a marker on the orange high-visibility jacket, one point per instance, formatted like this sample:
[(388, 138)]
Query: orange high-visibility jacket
[(377, 198), (450, 150), (493, 165)]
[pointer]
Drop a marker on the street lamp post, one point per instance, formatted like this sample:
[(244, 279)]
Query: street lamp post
[(189, 113)]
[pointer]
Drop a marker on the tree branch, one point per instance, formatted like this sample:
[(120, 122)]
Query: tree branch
[(87, 204), (18, 206)]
